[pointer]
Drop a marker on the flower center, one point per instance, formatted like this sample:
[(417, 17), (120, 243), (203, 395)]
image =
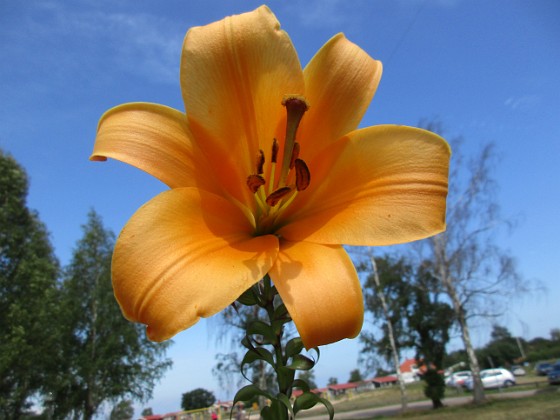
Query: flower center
[(273, 196)]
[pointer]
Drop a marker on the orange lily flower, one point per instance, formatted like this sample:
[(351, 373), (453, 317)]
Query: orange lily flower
[(268, 174)]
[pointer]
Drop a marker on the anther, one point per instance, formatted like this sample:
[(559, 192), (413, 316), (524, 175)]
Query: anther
[(260, 162), (274, 151), (295, 154), (277, 195), (303, 176), (254, 182)]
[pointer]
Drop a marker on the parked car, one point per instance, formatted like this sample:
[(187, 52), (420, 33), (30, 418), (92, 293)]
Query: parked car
[(554, 374), (518, 370), (493, 378), (458, 379), (543, 368)]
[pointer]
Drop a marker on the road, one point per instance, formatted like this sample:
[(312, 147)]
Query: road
[(392, 410)]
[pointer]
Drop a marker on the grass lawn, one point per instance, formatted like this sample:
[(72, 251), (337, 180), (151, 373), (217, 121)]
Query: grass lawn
[(544, 405)]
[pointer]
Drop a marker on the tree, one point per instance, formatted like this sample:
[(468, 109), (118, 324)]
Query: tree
[(502, 350), (355, 376), (431, 320), (124, 410), (106, 358), (407, 300), (197, 398), (147, 412), (28, 295), (476, 274), (392, 326), (332, 381)]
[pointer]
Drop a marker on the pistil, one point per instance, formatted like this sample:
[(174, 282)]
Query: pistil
[(296, 106)]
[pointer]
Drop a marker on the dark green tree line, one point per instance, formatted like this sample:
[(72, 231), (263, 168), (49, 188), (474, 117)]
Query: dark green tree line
[(64, 343), (28, 295), (105, 357)]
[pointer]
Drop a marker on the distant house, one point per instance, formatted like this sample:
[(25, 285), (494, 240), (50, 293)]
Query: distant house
[(340, 389), (384, 381), (410, 370), (321, 392)]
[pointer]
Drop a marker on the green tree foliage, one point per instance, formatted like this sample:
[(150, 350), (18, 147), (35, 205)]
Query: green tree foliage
[(431, 320), (124, 410), (332, 381), (28, 295), (502, 350), (355, 376), (106, 358), (147, 412), (396, 277), (421, 319), (197, 398)]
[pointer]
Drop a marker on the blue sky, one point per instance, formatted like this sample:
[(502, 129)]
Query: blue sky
[(487, 69)]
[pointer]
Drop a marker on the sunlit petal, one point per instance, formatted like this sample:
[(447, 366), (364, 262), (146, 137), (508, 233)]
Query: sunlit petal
[(234, 75), (186, 254), (320, 287), (156, 139), (340, 82), (381, 185)]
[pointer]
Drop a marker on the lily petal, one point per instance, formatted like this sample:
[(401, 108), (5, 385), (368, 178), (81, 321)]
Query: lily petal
[(320, 288), (380, 185), (186, 254), (234, 75), (340, 82), (156, 139)]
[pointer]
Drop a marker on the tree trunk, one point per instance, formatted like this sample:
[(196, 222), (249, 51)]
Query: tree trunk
[(447, 281), (394, 349)]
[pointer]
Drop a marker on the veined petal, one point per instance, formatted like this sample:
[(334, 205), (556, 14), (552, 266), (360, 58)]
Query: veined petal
[(234, 75), (186, 254), (320, 288), (380, 185), (340, 82), (156, 139)]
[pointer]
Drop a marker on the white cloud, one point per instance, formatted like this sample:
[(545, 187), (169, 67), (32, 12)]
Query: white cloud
[(521, 103), (131, 42)]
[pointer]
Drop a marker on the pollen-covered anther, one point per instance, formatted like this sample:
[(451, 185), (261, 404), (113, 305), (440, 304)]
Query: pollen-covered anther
[(277, 195), (260, 162), (303, 176), (275, 147), (254, 182)]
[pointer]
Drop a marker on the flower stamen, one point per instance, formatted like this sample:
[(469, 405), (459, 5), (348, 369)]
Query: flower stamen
[(277, 195), (296, 106), (303, 176), (254, 182)]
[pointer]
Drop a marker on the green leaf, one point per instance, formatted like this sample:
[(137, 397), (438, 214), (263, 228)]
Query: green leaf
[(281, 312), (285, 377), (263, 329), (257, 353), (293, 347), (249, 392), (301, 362), (328, 406), (305, 401), (276, 411), (308, 400), (283, 398), (249, 297), (301, 384)]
